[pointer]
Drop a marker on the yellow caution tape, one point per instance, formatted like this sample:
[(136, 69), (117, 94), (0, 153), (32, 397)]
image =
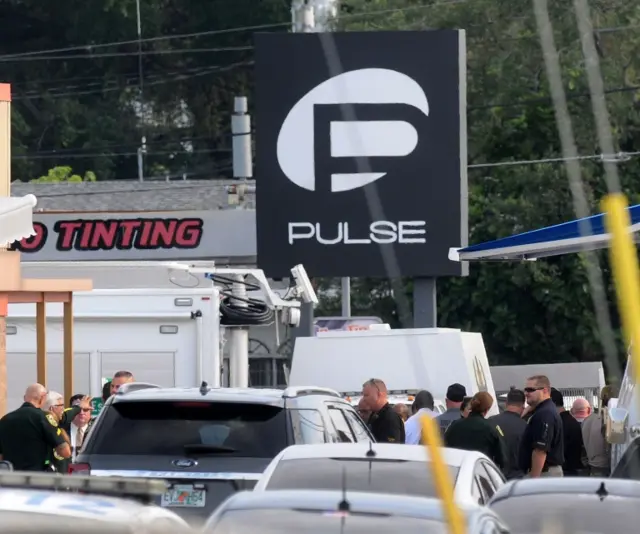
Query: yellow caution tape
[(626, 275), (441, 476)]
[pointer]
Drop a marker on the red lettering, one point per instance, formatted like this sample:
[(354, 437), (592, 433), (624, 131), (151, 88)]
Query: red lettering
[(145, 235), (67, 231), (104, 235), (35, 242), (188, 233), (163, 233), (128, 228), (85, 235)]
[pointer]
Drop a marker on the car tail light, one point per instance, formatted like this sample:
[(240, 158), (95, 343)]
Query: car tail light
[(79, 469)]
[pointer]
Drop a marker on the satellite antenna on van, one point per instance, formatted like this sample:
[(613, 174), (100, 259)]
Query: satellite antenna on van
[(238, 311)]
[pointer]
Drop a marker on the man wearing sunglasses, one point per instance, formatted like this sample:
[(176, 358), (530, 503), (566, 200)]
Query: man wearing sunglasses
[(386, 425), (79, 426), (541, 449)]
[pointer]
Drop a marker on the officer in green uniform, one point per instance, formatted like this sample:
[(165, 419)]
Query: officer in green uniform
[(475, 433), (28, 435), (54, 407)]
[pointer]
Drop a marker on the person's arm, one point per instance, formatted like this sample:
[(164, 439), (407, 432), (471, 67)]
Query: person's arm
[(501, 457), (395, 428), (542, 427), (69, 415), (54, 437)]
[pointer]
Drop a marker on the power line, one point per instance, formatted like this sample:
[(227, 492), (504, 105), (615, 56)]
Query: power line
[(240, 29), (91, 55), (226, 31), (204, 72), (94, 155), (619, 157)]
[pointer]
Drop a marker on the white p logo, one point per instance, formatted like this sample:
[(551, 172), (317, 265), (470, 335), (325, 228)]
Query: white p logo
[(298, 151)]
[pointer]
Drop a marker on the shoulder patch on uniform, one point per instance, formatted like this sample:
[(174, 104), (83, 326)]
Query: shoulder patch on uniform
[(52, 420), (500, 430)]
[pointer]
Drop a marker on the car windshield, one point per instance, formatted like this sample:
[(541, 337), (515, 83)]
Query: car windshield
[(196, 429), (318, 522), (568, 514), (399, 477)]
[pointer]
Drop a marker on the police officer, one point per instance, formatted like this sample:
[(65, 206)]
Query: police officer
[(28, 434), (475, 433), (542, 448), (54, 406), (512, 425), (454, 399), (386, 425)]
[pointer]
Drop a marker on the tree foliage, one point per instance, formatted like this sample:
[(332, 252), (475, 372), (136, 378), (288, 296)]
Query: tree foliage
[(527, 312), (65, 174), (80, 101)]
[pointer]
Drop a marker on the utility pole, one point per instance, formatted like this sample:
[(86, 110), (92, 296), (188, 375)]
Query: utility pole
[(242, 170), (5, 191), (142, 149)]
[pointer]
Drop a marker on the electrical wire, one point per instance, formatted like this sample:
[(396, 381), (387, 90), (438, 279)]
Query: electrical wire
[(91, 55), (253, 312)]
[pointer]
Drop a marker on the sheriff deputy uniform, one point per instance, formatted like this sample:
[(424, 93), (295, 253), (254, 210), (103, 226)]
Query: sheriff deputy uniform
[(27, 437)]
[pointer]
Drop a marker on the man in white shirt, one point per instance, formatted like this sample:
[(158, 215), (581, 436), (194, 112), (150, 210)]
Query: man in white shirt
[(422, 405), (79, 426)]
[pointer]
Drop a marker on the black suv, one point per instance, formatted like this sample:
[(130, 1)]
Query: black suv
[(208, 443)]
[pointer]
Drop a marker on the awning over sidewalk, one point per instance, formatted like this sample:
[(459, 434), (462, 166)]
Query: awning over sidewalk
[(554, 240), (16, 218)]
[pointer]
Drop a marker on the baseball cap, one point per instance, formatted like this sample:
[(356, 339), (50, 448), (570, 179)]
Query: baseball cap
[(557, 397), (456, 392)]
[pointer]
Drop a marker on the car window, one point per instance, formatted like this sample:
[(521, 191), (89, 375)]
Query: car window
[(320, 522), (398, 477), (341, 425), (497, 478), (486, 485), (358, 427), (476, 492), (176, 428), (308, 426), (574, 513)]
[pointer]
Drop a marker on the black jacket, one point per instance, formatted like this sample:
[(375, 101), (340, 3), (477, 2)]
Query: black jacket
[(512, 427), (475, 433), (387, 426)]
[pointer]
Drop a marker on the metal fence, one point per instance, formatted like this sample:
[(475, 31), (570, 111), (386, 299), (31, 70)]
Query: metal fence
[(571, 394)]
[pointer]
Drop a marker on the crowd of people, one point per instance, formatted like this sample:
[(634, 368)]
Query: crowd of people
[(533, 436), (45, 435)]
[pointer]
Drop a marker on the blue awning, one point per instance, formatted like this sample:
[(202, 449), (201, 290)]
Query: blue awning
[(554, 240)]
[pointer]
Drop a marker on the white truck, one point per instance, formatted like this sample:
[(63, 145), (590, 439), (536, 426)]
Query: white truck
[(407, 360), (163, 336)]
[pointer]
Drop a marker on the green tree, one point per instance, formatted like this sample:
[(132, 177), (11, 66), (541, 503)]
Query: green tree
[(527, 312), (65, 174), (82, 102)]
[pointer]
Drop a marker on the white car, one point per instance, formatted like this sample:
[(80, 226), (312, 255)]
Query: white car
[(336, 512), (380, 468), (48, 502)]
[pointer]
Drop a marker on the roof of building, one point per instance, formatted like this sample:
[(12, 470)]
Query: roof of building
[(125, 195)]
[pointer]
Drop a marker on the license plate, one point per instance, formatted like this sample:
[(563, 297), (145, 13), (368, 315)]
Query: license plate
[(183, 496)]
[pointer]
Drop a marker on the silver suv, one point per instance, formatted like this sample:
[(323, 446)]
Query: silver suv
[(208, 443)]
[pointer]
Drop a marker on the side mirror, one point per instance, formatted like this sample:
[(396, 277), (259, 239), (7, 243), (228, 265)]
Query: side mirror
[(6, 466), (616, 420)]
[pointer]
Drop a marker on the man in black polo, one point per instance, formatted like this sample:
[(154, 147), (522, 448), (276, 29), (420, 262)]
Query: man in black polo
[(386, 425), (542, 448), (27, 435), (512, 427)]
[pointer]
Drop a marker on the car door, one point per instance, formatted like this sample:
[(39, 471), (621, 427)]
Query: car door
[(358, 427), (340, 424)]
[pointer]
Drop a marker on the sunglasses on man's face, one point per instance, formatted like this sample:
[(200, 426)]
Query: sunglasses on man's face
[(531, 390), (85, 410)]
